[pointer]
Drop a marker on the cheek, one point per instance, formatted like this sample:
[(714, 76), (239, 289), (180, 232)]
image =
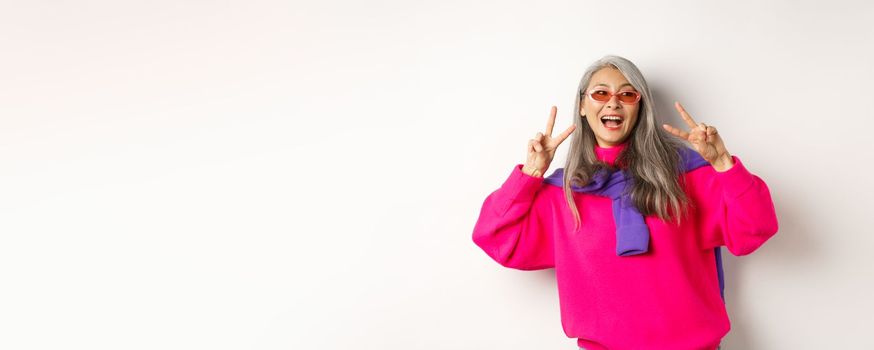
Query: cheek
[(635, 119), (590, 121), (591, 116)]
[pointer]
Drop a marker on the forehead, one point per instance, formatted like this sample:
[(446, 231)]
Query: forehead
[(609, 77)]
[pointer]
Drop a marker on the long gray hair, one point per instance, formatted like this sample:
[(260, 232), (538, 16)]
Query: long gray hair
[(651, 155)]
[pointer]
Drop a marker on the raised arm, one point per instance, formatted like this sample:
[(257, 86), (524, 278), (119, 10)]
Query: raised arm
[(515, 226), (735, 205)]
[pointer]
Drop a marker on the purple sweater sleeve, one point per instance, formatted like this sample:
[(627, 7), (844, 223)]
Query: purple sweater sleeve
[(515, 224), (735, 207)]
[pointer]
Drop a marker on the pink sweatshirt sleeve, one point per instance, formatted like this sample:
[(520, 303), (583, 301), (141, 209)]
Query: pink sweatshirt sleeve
[(515, 224), (735, 206)]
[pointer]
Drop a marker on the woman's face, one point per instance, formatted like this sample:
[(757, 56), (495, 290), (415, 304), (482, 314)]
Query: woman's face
[(608, 133)]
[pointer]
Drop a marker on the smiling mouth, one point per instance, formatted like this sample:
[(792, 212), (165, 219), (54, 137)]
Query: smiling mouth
[(612, 122)]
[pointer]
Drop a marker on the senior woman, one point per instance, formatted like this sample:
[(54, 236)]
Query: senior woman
[(634, 222)]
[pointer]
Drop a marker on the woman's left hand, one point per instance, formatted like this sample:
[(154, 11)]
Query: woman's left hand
[(704, 139)]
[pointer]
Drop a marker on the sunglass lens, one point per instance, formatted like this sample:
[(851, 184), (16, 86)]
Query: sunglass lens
[(628, 97), (600, 96)]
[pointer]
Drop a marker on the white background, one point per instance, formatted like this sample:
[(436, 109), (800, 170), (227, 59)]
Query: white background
[(306, 175)]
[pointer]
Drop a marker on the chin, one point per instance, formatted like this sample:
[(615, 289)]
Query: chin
[(614, 138)]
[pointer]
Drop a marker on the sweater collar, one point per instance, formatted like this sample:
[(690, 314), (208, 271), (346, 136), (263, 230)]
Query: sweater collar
[(609, 154)]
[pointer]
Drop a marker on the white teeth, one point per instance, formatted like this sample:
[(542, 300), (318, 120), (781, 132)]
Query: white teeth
[(611, 117)]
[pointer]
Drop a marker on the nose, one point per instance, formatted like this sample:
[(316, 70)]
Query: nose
[(613, 102)]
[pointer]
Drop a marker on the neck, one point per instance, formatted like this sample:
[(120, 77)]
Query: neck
[(608, 154)]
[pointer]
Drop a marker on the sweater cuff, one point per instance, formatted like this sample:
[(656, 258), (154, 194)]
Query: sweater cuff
[(519, 187), (736, 180), (526, 185)]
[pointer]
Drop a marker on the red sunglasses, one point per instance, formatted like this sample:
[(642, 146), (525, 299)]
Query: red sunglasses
[(626, 97)]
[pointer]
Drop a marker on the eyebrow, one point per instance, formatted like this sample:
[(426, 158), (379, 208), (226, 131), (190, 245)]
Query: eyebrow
[(620, 86)]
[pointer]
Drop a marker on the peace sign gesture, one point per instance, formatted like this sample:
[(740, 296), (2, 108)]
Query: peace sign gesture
[(704, 139), (542, 147)]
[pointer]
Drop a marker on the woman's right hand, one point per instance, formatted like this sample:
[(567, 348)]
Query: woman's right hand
[(542, 147)]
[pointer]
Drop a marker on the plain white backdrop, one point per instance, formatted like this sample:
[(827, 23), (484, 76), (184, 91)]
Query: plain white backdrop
[(306, 175)]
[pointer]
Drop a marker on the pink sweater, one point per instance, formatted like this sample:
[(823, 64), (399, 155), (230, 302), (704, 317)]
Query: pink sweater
[(667, 298)]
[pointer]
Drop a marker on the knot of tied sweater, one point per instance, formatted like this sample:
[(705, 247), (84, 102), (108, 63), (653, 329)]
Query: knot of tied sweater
[(632, 234)]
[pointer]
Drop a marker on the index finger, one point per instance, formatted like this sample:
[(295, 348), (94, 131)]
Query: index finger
[(686, 117), (564, 135), (551, 121)]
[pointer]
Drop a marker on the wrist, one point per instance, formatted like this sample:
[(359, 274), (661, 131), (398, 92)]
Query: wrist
[(723, 162), (532, 171)]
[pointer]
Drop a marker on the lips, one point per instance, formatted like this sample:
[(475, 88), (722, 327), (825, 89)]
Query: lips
[(612, 121)]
